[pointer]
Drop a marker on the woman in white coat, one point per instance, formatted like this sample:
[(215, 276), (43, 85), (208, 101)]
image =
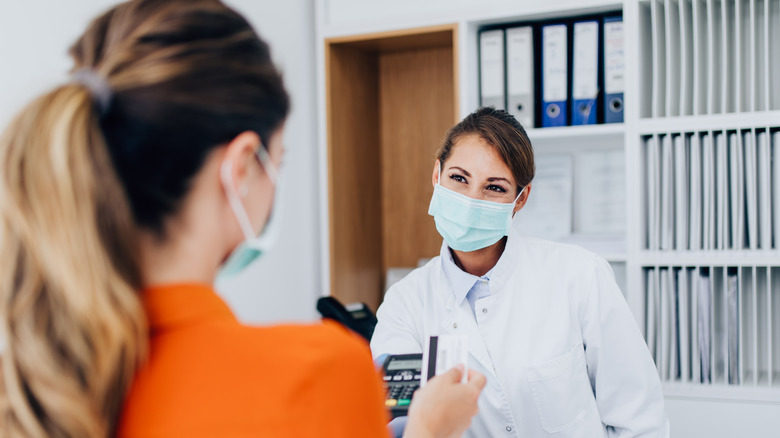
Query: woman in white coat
[(546, 322)]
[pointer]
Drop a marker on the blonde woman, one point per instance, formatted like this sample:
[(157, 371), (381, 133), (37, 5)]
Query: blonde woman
[(122, 195)]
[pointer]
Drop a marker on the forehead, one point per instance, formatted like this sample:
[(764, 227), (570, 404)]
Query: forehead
[(478, 157)]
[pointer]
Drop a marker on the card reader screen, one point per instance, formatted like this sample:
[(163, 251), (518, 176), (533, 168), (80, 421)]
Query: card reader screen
[(404, 364)]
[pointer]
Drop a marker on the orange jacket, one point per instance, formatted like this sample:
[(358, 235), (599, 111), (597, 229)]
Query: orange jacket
[(210, 376)]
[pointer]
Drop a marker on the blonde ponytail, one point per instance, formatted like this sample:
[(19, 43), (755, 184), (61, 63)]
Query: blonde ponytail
[(72, 321)]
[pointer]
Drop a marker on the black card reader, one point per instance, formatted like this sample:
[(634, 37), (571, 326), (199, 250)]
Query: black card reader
[(402, 374)]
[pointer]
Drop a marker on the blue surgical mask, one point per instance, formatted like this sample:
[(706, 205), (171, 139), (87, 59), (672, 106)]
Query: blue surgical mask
[(468, 224), (253, 246)]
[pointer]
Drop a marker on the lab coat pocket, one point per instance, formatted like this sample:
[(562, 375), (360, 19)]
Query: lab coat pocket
[(561, 390)]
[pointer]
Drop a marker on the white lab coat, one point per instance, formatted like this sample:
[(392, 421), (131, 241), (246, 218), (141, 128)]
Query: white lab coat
[(561, 351)]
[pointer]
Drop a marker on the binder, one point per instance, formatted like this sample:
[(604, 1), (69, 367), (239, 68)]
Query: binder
[(520, 74), (555, 68), (585, 73), (614, 69), (491, 69)]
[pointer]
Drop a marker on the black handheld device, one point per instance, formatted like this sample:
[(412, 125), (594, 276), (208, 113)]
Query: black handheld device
[(402, 374), (356, 316)]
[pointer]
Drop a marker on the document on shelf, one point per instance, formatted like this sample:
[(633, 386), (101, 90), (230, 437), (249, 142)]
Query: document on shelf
[(704, 325), (548, 213), (600, 204), (751, 190), (695, 221), (674, 328), (776, 187), (708, 192), (666, 325), (764, 192), (683, 332), (681, 192), (653, 315), (696, 375), (733, 329), (667, 193), (653, 203), (736, 194), (722, 184)]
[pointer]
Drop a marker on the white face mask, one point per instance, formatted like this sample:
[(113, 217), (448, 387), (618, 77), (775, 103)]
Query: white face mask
[(254, 245)]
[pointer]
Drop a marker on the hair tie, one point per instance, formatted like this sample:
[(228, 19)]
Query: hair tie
[(98, 87)]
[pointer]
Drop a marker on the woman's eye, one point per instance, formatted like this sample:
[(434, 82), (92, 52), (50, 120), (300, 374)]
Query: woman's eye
[(458, 178), (495, 188)]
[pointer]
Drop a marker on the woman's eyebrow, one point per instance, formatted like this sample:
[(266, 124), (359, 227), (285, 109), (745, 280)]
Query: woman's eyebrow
[(497, 178), (465, 172)]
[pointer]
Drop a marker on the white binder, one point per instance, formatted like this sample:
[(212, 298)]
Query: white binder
[(491, 68), (520, 74), (585, 73)]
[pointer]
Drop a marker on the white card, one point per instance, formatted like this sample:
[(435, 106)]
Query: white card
[(442, 353)]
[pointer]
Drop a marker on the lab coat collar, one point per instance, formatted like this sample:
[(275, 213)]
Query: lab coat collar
[(461, 282)]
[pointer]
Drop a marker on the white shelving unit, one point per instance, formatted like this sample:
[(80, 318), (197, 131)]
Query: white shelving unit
[(653, 61)]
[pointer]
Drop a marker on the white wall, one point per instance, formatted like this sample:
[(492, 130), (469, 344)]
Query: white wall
[(284, 286)]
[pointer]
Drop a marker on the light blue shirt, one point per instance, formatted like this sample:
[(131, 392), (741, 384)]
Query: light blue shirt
[(464, 285)]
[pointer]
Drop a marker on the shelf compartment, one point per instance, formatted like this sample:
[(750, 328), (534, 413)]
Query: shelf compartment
[(390, 98)]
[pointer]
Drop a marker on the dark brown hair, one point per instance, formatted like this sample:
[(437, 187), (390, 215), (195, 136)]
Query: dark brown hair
[(85, 166), (501, 131)]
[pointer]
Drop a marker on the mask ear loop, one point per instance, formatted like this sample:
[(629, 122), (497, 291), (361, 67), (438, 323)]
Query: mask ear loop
[(519, 195), (235, 202)]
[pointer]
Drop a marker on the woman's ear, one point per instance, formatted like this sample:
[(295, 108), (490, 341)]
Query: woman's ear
[(436, 173), (522, 199), (236, 168)]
